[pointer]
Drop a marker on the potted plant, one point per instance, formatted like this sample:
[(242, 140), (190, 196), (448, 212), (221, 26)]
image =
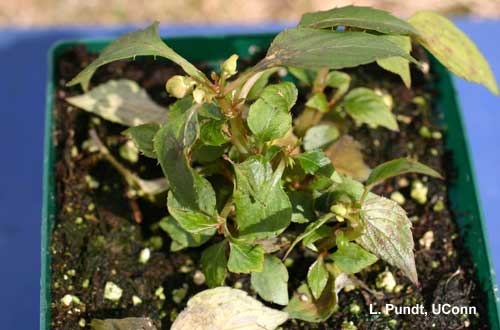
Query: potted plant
[(319, 182)]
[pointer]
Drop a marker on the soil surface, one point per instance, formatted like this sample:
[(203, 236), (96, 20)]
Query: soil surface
[(101, 227)]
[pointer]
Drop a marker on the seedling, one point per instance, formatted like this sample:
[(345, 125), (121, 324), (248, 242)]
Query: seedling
[(244, 175)]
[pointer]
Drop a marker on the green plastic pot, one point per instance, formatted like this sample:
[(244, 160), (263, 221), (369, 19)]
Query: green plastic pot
[(463, 192)]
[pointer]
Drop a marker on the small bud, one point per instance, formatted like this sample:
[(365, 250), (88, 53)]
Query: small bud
[(199, 95), (339, 209), (229, 65), (179, 86)]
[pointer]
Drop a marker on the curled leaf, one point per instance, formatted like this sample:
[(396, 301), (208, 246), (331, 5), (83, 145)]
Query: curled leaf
[(225, 308)]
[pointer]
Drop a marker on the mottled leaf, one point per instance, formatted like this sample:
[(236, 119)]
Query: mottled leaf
[(272, 283), (347, 158), (269, 117), (398, 65), (365, 106), (317, 277), (366, 18), (120, 101), (245, 258), (388, 234), (453, 48), (313, 48), (263, 209), (144, 42), (352, 258), (129, 323), (397, 167), (225, 308), (304, 307), (320, 136), (214, 263)]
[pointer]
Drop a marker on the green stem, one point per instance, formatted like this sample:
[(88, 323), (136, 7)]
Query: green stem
[(237, 135), (316, 225)]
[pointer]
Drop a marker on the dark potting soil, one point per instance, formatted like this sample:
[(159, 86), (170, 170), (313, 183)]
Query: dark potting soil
[(101, 228)]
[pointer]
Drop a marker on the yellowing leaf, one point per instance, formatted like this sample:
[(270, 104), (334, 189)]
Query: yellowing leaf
[(347, 158), (225, 308), (120, 101), (453, 48)]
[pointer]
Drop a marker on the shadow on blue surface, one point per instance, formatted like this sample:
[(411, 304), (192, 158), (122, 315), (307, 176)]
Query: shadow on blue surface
[(22, 98)]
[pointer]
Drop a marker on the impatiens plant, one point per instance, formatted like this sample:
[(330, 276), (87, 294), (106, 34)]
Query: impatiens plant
[(249, 182)]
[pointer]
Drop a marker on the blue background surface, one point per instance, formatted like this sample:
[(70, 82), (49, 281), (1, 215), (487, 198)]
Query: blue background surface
[(23, 59)]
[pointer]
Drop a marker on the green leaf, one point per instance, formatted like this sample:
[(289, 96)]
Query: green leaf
[(214, 263), (120, 101), (366, 18), (320, 136), (181, 237), (269, 117), (453, 48), (245, 258), (302, 206), (129, 323), (310, 229), (353, 258), (201, 217), (304, 76), (144, 42), (397, 167), (263, 209), (225, 308), (142, 136), (398, 65), (365, 106), (211, 132), (317, 277), (172, 143), (388, 234), (318, 102), (260, 84), (272, 283), (313, 161), (313, 48), (347, 158), (340, 81)]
